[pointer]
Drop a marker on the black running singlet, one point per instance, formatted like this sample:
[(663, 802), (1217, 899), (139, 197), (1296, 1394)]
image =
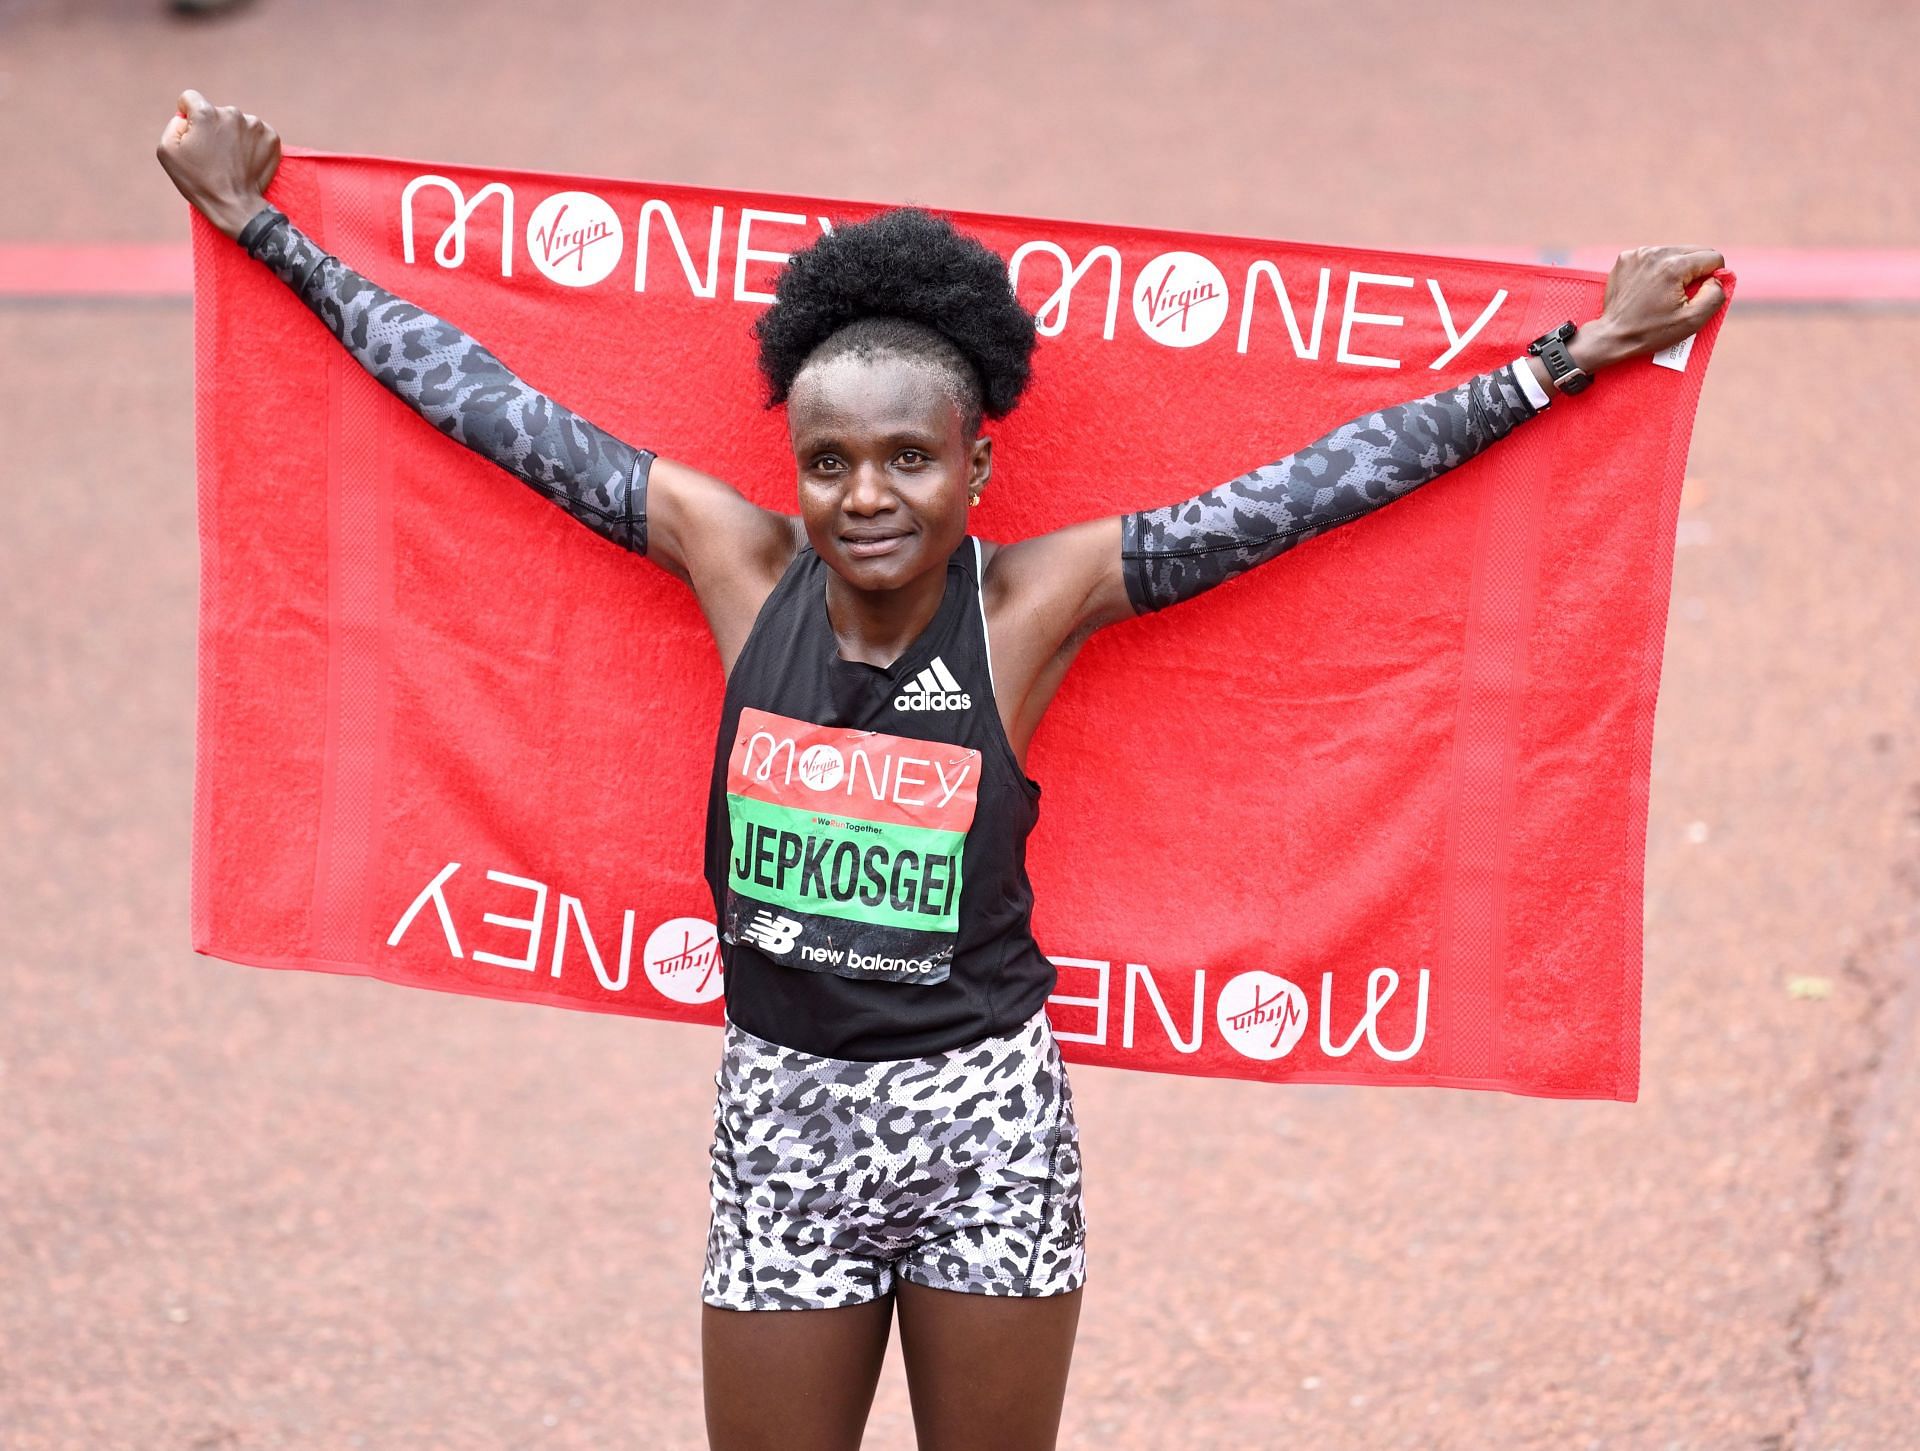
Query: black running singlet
[(867, 834)]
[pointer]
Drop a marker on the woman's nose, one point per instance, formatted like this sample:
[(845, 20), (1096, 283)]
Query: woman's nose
[(868, 490)]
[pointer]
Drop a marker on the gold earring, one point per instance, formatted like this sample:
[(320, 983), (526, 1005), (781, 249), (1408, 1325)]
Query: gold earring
[(974, 500)]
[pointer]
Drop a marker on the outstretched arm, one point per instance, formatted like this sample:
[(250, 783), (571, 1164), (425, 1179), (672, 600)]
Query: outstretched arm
[(454, 382), (1055, 590), (1177, 551), (696, 527), (1075, 580)]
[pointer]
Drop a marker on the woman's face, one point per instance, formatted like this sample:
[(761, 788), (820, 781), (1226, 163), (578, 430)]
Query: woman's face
[(884, 464)]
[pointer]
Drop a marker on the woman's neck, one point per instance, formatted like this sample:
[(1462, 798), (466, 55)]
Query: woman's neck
[(875, 627)]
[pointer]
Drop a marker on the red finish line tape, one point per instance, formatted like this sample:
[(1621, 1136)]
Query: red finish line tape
[(1767, 274), (51, 269)]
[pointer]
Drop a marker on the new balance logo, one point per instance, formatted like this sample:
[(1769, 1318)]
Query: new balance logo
[(933, 689), (771, 933)]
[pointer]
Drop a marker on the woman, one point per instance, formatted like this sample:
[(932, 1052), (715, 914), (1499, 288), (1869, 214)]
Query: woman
[(893, 1122)]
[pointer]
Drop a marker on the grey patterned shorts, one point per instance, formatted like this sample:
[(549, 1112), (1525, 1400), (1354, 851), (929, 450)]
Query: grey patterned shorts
[(959, 1171)]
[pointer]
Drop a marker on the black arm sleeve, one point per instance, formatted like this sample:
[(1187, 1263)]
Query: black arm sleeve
[(1175, 552), (459, 387)]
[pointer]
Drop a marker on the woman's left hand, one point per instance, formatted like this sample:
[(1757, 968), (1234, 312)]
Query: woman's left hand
[(1647, 306)]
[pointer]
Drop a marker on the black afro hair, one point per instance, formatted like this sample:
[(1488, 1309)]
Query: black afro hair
[(904, 266)]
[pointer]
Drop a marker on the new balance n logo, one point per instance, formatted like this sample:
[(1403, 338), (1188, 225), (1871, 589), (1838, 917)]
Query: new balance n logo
[(771, 933), (933, 689)]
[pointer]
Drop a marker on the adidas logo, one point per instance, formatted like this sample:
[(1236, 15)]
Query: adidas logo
[(933, 689)]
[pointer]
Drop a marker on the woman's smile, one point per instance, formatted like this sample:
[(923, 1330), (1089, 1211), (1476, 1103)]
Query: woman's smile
[(866, 545)]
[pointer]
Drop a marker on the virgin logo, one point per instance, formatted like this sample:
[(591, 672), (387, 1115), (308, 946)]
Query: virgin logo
[(574, 238), (1261, 1015), (1180, 299), (821, 767), (683, 960)]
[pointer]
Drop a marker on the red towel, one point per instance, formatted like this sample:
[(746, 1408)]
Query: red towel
[(1373, 813)]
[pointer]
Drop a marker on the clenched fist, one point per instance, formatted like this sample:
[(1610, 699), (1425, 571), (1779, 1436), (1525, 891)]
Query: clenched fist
[(1647, 307), (220, 158)]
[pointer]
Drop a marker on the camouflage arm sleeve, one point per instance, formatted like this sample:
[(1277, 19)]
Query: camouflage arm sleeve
[(1174, 552), (459, 387)]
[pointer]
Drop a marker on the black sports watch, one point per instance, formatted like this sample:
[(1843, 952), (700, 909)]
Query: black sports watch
[(1551, 348)]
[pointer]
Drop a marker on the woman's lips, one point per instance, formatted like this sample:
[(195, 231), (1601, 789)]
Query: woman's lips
[(865, 548)]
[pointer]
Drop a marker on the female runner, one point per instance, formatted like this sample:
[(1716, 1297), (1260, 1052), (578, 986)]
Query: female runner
[(893, 1123)]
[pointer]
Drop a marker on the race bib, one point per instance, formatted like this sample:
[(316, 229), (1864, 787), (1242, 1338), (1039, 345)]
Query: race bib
[(847, 847)]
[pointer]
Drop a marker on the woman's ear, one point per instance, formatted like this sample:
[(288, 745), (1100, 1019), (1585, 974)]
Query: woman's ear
[(979, 465)]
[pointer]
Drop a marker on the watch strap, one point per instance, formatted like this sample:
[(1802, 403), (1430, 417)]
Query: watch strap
[(1551, 348)]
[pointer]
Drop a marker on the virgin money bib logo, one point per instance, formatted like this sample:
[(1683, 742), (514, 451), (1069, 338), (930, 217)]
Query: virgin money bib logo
[(1261, 1015), (574, 238), (1180, 299), (847, 847)]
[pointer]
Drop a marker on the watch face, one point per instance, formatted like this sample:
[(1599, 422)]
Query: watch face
[(1561, 334)]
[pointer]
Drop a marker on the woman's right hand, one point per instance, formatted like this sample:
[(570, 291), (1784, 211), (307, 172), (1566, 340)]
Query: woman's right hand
[(221, 159)]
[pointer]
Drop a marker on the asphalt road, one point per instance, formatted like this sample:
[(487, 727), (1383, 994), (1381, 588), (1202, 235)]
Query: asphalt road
[(260, 1210)]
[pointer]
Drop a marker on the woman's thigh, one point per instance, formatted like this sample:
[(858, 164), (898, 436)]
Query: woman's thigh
[(986, 1371), (791, 1380)]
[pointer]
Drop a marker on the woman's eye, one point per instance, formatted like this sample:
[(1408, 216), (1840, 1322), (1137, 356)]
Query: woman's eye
[(912, 456)]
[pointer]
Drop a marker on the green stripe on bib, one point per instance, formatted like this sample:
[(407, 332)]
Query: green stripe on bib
[(840, 866)]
